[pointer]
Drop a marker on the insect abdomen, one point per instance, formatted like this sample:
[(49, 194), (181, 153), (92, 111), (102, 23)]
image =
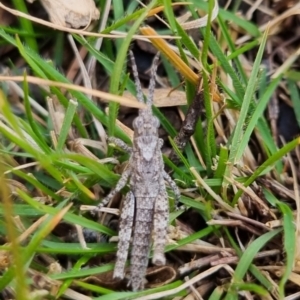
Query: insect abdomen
[(141, 241)]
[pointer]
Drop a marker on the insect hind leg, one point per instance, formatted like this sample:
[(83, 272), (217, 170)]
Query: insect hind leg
[(160, 225), (126, 222)]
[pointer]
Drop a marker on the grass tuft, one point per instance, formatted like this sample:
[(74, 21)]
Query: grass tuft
[(238, 174)]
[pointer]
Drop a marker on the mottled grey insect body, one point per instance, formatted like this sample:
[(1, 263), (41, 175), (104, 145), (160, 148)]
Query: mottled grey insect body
[(145, 208)]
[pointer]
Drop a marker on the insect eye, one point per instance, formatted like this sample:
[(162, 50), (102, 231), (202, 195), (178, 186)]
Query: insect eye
[(156, 122), (137, 123)]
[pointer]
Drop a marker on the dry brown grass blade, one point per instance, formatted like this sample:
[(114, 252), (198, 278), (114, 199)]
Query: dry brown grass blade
[(287, 64), (31, 229), (20, 167), (265, 209), (15, 88), (79, 146), (5, 256), (197, 278), (113, 211), (158, 9), (128, 131), (163, 97), (71, 30), (201, 22), (174, 58), (274, 24), (221, 202), (198, 263), (198, 23), (44, 283), (235, 259), (203, 249), (57, 218), (293, 277), (248, 220), (104, 96), (160, 276)]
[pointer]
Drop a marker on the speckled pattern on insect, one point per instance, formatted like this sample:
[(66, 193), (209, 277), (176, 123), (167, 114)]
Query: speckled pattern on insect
[(145, 208)]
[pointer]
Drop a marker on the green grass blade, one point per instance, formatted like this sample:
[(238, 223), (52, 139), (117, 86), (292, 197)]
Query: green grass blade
[(295, 97), (268, 164), (258, 112), (289, 244), (235, 149), (67, 123), (247, 258), (217, 293), (232, 17), (69, 217), (237, 63), (252, 287), (250, 253), (26, 25)]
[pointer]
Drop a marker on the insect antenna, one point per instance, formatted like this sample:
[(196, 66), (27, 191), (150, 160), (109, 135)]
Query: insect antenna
[(152, 79), (139, 95)]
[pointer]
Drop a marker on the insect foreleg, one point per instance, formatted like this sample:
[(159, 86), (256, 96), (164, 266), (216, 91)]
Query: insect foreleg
[(121, 183), (173, 186), (120, 143)]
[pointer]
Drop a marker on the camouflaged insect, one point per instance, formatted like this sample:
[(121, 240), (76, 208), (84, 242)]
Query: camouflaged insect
[(145, 207)]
